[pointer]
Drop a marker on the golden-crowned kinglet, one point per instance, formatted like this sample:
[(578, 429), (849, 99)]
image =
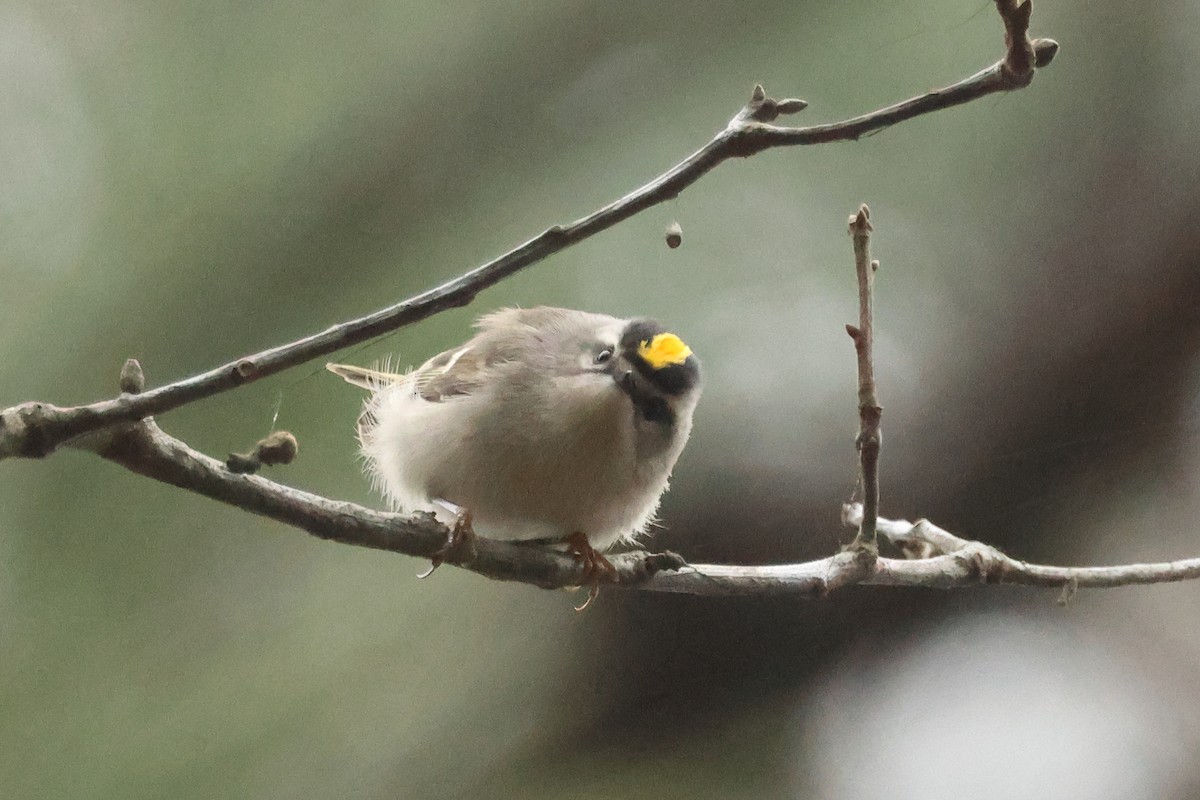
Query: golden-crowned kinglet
[(549, 424)]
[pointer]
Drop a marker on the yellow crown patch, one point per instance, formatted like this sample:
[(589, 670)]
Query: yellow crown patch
[(664, 350)]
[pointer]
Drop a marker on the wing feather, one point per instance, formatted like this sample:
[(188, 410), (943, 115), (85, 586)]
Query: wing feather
[(372, 379), (454, 372), (503, 337)]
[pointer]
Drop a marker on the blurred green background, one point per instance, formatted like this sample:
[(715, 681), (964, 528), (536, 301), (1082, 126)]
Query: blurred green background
[(187, 182)]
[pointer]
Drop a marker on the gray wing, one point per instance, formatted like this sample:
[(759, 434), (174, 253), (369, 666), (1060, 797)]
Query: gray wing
[(364, 377), (452, 373), (505, 336)]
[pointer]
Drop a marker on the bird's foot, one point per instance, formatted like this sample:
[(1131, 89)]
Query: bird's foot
[(460, 543), (596, 567)]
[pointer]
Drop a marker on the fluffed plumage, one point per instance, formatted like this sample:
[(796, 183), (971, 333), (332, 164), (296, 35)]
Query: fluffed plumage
[(546, 423)]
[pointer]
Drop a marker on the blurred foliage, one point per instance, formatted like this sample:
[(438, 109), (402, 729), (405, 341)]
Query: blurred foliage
[(187, 181)]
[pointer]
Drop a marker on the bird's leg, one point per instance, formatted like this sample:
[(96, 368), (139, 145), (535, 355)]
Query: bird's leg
[(595, 566), (460, 543)]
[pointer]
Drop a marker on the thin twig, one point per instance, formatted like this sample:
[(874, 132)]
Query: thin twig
[(869, 439), (36, 429)]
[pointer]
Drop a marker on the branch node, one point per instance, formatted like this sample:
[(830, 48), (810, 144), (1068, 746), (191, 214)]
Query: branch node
[(667, 561), (133, 379), (915, 549), (864, 552), (1069, 589), (245, 370), (278, 448), (243, 463), (1020, 59), (941, 542), (853, 565), (860, 223), (1044, 51), (791, 105), (983, 562), (767, 109), (27, 430)]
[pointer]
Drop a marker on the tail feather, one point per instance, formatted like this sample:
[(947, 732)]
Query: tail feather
[(366, 378)]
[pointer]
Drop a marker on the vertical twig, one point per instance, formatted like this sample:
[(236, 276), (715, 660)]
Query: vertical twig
[(869, 437)]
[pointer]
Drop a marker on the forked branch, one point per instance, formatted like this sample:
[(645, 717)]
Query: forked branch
[(121, 429), (37, 429)]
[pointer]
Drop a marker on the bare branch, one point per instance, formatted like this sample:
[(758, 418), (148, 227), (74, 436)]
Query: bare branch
[(133, 380), (988, 563), (869, 439), (146, 449), (959, 563), (36, 429), (948, 561)]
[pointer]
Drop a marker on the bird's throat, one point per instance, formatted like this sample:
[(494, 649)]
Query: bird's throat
[(650, 405)]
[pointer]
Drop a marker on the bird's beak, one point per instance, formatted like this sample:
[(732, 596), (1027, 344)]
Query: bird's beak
[(622, 373), (644, 399), (625, 380)]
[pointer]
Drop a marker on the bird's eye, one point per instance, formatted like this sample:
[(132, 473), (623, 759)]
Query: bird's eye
[(604, 356)]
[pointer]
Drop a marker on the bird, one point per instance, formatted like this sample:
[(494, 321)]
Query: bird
[(549, 426)]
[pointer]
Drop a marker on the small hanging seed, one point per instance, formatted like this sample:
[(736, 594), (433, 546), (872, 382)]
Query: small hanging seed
[(674, 235)]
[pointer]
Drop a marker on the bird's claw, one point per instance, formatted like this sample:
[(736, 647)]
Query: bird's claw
[(596, 567), (459, 546)]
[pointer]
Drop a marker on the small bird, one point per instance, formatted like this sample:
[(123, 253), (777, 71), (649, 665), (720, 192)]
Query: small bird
[(549, 425)]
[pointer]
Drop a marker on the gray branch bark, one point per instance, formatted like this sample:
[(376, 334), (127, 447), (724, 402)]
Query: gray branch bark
[(946, 562), (869, 440)]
